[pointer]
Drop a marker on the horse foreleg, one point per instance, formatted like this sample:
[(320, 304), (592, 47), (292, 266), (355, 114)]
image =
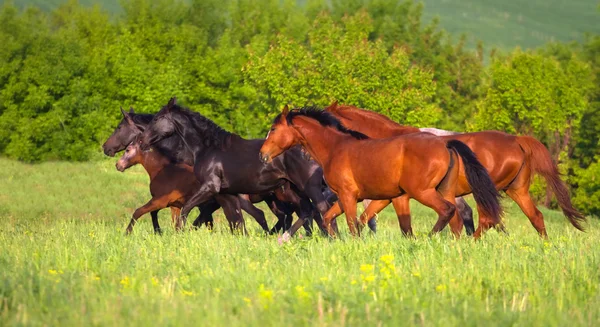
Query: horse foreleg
[(334, 211), (205, 217), (155, 224), (152, 205), (348, 203), (372, 209), (205, 193)]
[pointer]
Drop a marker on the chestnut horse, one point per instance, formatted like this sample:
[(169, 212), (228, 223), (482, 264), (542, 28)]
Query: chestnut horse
[(511, 161), (356, 167)]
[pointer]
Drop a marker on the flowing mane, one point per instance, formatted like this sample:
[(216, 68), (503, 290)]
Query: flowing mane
[(212, 134), (324, 118)]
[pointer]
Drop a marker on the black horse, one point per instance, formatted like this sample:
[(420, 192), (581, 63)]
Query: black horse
[(225, 163), (132, 125)]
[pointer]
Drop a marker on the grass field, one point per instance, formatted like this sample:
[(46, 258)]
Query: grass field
[(511, 23), (65, 261)]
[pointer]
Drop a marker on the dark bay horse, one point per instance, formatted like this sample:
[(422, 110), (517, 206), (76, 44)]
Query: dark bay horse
[(511, 161), (171, 184), (225, 163), (173, 150), (422, 165)]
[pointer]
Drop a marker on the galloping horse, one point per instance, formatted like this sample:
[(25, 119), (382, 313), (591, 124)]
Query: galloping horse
[(225, 163), (171, 184), (422, 166), (173, 150), (511, 161)]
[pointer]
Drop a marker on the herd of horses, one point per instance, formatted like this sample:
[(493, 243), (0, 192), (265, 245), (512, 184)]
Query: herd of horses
[(318, 163)]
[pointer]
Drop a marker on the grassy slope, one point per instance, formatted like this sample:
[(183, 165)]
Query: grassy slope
[(507, 24), (503, 24), (65, 260)]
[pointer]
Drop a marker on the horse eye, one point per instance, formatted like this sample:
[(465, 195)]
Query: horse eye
[(272, 129)]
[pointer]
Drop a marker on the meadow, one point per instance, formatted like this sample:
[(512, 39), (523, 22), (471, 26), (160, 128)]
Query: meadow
[(66, 261)]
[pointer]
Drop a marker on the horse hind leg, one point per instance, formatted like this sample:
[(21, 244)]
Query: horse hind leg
[(256, 213), (466, 214), (444, 208), (523, 199), (402, 207)]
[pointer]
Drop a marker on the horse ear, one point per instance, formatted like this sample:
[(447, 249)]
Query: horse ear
[(332, 106), (131, 110), (285, 111), (170, 104), (128, 118)]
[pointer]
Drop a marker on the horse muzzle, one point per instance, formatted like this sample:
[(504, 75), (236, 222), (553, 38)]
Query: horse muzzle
[(107, 151), (119, 167)]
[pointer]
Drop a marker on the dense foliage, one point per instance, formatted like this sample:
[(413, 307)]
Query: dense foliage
[(64, 74)]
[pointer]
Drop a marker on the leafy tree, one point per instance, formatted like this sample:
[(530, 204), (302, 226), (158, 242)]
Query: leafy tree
[(339, 62)]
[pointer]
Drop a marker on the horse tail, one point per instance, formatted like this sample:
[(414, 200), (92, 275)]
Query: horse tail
[(540, 161), (484, 190)]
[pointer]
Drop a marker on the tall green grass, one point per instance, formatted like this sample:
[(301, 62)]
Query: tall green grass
[(64, 260)]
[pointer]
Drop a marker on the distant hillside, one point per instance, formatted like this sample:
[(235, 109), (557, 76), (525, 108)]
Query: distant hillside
[(504, 24), (110, 5), (511, 23)]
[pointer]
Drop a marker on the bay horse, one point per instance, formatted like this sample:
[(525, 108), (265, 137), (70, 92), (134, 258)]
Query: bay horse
[(420, 165), (172, 149), (225, 163), (171, 184), (511, 161)]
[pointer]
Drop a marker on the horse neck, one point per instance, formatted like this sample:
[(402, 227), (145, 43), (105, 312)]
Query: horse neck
[(174, 148), (319, 141), (153, 162)]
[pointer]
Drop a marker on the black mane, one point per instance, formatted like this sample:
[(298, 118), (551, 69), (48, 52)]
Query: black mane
[(212, 134), (324, 118), (144, 119), (171, 147)]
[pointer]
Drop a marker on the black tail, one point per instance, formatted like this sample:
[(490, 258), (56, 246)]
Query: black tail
[(484, 190)]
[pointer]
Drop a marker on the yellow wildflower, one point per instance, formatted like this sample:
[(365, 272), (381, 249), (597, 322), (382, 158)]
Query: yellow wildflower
[(187, 293), (441, 288), (125, 282), (387, 259)]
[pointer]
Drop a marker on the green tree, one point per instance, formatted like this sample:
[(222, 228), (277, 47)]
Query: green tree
[(338, 62)]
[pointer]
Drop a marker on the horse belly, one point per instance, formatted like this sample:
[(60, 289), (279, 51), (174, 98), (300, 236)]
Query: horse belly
[(379, 180)]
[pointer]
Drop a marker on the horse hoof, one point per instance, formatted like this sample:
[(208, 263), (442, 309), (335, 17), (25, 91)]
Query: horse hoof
[(286, 237)]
